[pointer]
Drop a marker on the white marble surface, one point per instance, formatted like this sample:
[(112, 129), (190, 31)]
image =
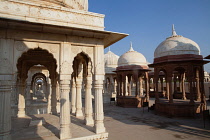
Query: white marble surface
[(176, 45)]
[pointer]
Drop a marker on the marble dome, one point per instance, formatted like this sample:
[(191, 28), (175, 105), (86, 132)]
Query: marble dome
[(132, 57), (110, 61), (176, 45)]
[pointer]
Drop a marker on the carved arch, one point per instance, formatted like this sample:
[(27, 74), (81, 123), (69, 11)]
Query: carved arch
[(34, 57)]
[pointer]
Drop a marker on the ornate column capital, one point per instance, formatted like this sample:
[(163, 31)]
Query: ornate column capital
[(5, 85)]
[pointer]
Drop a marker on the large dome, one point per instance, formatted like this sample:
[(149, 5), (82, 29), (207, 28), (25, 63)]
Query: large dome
[(132, 58), (110, 61), (176, 45)]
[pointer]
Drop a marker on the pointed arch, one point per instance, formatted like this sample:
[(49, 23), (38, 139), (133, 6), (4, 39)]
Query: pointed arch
[(37, 56)]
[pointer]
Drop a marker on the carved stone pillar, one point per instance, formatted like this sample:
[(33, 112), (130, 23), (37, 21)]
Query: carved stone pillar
[(147, 86), (88, 101), (99, 114), (65, 131), (49, 97), (183, 87), (120, 87), (167, 89), (115, 86), (169, 83), (175, 84), (73, 97), (198, 98), (53, 98), (190, 80), (14, 96), (140, 86), (180, 82), (202, 90), (124, 85), (28, 94), (79, 112), (21, 100), (156, 76), (161, 82), (137, 87), (129, 86), (5, 109)]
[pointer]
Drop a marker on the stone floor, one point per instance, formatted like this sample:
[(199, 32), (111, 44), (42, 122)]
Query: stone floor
[(121, 124)]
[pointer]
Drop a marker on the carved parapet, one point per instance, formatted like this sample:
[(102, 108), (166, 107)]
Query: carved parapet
[(47, 14)]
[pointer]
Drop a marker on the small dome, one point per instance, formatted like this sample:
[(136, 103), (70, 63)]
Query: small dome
[(176, 45), (110, 61), (132, 58)]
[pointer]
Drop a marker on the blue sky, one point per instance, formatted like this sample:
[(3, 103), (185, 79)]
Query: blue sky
[(149, 22)]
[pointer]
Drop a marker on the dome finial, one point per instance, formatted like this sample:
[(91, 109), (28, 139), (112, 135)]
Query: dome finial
[(131, 47), (173, 30), (109, 49)]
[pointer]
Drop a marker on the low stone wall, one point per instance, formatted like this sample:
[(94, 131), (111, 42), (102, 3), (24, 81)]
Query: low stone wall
[(178, 109), (130, 101)]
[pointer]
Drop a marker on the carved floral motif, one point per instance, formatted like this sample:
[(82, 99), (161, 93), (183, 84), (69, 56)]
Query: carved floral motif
[(20, 46)]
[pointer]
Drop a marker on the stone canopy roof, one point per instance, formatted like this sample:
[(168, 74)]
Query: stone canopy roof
[(176, 45)]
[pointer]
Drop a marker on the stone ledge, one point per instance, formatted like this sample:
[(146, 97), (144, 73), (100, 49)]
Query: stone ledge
[(102, 136), (38, 122), (46, 15)]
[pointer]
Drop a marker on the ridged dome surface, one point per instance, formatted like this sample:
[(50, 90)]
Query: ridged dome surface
[(110, 61)]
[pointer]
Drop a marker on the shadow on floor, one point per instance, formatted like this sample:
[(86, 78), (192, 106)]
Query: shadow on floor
[(136, 116)]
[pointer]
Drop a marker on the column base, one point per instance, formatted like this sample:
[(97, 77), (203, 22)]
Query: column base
[(54, 111), (21, 114), (65, 131), (79, 113), (73, 110), (99, 127), (5, 136), (184, 98), (198, 99), (89, 121)]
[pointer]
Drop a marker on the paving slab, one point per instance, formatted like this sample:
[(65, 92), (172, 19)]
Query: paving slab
[(121, 124)]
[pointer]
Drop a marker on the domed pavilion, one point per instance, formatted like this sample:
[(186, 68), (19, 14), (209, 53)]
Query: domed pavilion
[(110, 61), (180, 60), (132, 74)]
